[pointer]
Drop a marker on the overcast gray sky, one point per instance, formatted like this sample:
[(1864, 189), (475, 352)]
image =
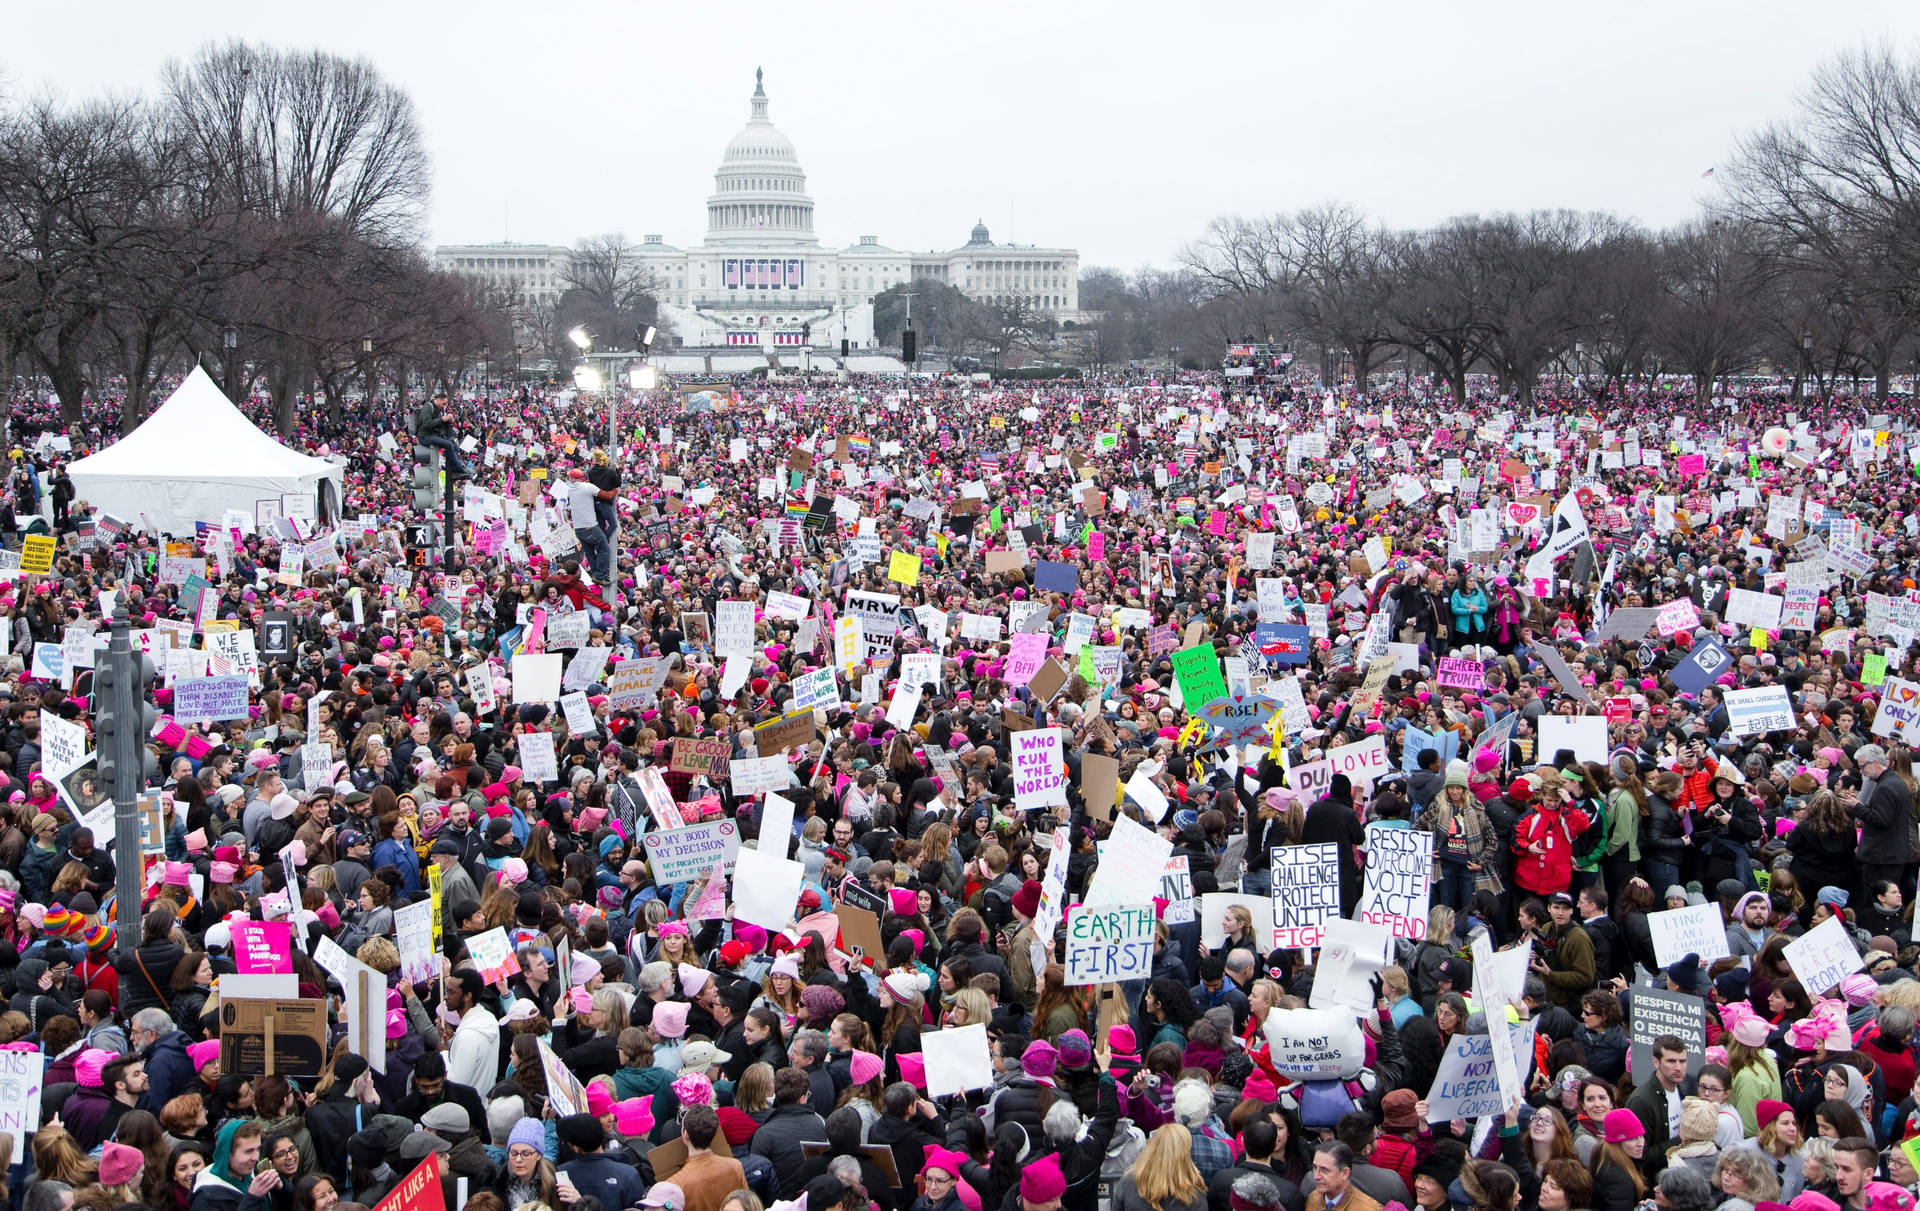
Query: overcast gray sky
[(1118, 128)]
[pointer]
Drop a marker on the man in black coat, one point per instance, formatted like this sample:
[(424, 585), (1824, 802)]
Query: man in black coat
[(1884, 808), (1259, 1137), (789, 1124), (1333, 819)]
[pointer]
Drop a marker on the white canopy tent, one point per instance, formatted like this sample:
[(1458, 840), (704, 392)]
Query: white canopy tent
[(197, 457)]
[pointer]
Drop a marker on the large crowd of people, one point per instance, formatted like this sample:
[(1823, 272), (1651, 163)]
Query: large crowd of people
[(1622, 585)]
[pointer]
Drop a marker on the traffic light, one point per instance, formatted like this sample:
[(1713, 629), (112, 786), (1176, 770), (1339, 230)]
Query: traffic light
[(907, 345), (145, 717), (844, 344), (106, 721), (426, 479)]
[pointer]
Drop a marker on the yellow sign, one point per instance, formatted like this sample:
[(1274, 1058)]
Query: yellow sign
[(904, 567), (1758, 639), (36, 554), (996, 422), (537, 473), (433, 886)]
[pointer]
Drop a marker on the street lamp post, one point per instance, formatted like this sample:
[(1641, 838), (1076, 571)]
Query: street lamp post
[(229, 342)]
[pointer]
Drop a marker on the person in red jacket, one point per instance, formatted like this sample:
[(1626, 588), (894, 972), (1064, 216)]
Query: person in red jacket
[(1543, 840), (1696, 770), (1393, 1148)]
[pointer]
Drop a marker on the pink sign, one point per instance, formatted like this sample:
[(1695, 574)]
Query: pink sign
[(1096, 546), (1460, 673), (1692, 464), (263, 948)]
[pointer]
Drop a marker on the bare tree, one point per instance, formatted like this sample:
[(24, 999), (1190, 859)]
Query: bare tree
[(1709, 319), (1837, 188), (286, 134)]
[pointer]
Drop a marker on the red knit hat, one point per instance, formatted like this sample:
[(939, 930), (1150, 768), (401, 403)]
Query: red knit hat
[(1520, 791)]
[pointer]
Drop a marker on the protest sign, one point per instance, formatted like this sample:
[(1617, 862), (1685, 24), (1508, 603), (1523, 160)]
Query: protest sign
[(1586, 735), (1053, 886), (1466, 1085), (677, 855), (199, 699), (705, 758), (1460, 673), (1657, 1011), (1360, 762), (282, 1037), (1039, 771), (419, 1190), (1695, 929), (1759, 711), (755, 775), (1133, 858), (1399, 880), (537, 760), (1306, 892), (1823, 956), (22, 1077), (493, 956), (1197, 669), (957, 1059), (1351, 955), (1109, 942), (413, 933), (564, 1089), (766, 889)]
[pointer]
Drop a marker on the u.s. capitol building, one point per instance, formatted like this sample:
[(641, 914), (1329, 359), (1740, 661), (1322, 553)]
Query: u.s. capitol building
[(761, 273)]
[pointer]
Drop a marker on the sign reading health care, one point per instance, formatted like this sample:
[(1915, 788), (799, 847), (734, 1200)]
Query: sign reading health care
[(1039, 772)]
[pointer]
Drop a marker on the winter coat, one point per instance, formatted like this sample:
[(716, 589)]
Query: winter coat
[(1726, 850), (1885, 816), (1661, 837), (1821, 857), (1469, 612), (145, 974), (779, 1140), (1549, 867)]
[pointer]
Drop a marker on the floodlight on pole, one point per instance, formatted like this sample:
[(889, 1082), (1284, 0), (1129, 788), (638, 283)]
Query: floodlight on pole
[(646, 341), (645, 378), (587, 378), (580, 338)]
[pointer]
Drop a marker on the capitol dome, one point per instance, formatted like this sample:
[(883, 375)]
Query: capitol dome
[(760, 191)]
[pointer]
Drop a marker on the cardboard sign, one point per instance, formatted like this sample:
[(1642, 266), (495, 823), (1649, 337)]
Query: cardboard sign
[(793, 731), (1657, 1011), (1399, 881), (1109, 943), (703, 757), (1306, 892), (273, 1037), (1823, 956), (1695, 929)]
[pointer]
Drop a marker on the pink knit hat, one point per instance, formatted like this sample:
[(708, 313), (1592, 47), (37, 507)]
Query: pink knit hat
[(92, 1062), (203, 1053)]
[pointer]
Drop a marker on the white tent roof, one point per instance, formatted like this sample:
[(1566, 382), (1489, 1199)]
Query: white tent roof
[(192, 460)]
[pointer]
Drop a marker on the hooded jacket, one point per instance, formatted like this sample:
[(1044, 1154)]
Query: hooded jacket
[(1543, 848)]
